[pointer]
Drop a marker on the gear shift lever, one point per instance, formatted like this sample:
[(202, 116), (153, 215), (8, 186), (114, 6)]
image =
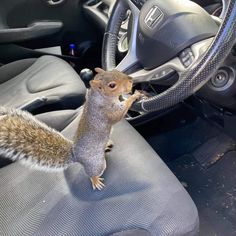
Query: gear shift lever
[(86, 75)]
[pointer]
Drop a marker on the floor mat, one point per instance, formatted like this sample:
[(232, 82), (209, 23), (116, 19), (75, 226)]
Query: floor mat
[(210, 152), (204, 160), (186, 138), (213, 191)]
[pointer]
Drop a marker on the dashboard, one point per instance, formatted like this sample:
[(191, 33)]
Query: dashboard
[(99, 10)]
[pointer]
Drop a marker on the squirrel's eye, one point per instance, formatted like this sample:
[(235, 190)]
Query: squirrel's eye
[(112, 85)]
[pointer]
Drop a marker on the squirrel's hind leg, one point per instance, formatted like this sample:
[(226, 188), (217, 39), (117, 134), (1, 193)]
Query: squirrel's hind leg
[(109, 146), (97, 183)]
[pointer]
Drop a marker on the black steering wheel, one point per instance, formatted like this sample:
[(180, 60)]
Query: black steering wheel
[(155, 25)]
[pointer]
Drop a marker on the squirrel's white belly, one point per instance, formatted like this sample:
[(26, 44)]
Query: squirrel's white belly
[(91, 154)]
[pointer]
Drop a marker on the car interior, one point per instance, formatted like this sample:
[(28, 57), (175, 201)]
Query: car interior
[(172, 168)]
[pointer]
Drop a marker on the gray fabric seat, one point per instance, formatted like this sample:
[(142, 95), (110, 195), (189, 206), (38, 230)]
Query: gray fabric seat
[(50, 77), (141, 197)]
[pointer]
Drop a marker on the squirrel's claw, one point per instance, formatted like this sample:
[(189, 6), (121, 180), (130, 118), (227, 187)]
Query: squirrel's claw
[(109, 146), (138, 95), (97, 183)]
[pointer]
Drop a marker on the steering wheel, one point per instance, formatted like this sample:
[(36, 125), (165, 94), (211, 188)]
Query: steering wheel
[(155, 25)]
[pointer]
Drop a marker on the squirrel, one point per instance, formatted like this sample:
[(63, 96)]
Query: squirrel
[(24, 138)]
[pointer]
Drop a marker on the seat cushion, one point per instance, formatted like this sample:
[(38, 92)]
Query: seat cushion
[(141, 197), (50, 77)]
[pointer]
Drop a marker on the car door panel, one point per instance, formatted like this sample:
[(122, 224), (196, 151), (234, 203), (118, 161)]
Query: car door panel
[(29, 17), (26, 25)]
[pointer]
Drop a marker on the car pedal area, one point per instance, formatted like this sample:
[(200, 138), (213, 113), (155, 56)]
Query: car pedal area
[(214, 149)]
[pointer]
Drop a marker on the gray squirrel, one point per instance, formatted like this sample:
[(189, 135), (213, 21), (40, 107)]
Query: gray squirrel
[(24, 138)]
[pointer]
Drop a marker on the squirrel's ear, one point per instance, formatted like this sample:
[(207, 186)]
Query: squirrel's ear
[(95, 84), (99, 70)]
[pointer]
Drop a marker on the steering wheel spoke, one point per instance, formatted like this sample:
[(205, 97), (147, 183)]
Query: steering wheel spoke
[(174, 65), (131, 57)]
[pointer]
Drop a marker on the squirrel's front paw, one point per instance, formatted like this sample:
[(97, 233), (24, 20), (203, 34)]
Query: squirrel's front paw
[(97, 183), (137, 95)]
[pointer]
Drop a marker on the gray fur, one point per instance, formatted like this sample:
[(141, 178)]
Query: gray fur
[(89, 149), (101, 110)]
